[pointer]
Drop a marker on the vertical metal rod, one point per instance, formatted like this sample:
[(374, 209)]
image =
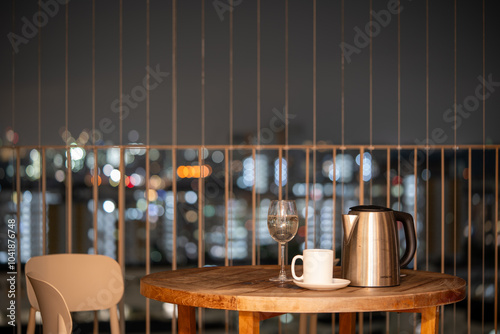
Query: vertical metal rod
[(280, 189), (341, 176), (427, 71), (13, 82), (342, 72), (441, 313), (202, 72), (286, 72), (174, 73), (121, 231), (484, 162), (120, 67), (93, 133), (18, 213), (442, 211), (121, 210), (280, 173), (496, 244), (174, 132), (121, 186), (68, 152), (231, 74), (388, 179), (39, 96), (287, 99), (148, 225), (314, 118), (427, 134), (231, 115), (44, 201), (361, 181), (18, 234), (307, 200), (95, 178), (13, 74), (415, 202), (69, 203), (415, 220), (200, 208), (148, 104), (371, 74), (455, 229), (399, 105), (226, 199), (371, 106), (483, 235), (174, 141), (314, 196), (95, 192), (258, 123), (388, 204), (469, 243), (174, 206), (455, 153), (201, 181), (254, 192), (334, 202), (427, 176), (258, 73), (148, 235), (66, 56)]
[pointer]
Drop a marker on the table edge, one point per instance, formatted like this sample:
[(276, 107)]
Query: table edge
[(294, 305)]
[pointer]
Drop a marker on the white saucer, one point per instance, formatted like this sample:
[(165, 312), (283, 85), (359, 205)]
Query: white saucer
[(337, 283)]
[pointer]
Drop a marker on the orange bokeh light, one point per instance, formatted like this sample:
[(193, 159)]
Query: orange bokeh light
[(99, 180), (194, 171)]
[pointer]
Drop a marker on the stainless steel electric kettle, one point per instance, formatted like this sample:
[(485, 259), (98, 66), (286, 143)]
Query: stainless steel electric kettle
[(370, 253)]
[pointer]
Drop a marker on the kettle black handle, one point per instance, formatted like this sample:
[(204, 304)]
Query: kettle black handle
[(410, 236)]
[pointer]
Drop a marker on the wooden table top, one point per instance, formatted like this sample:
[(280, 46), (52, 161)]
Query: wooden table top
[(247, 288)]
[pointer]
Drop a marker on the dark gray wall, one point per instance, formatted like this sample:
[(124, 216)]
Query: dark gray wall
[(385, 79)]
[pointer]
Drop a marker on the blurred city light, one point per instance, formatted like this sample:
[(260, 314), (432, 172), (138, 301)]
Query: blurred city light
[(283, 172)]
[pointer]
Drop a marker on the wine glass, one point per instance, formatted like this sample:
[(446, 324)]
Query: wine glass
[(282, 222)]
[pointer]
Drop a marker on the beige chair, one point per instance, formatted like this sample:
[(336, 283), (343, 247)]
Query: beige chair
[(55, 313), (87, 283)]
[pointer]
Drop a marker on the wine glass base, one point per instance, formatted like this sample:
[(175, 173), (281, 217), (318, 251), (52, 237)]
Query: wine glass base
[(280, 279)]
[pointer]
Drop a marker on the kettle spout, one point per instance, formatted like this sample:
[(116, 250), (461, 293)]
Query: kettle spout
[(348, 222)]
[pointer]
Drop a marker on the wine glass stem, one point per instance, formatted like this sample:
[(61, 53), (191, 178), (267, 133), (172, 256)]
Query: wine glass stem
[(282, 271)]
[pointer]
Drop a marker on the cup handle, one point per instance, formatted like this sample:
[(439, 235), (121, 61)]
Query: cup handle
[(301, 278)]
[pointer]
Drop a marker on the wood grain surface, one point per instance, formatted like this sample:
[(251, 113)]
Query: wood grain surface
[(247, 288)]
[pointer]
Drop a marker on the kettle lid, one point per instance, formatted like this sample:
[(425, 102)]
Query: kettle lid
[(369, 208)]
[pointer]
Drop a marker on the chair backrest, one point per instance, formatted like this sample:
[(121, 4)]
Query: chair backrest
[(55, 313), (87, 282)]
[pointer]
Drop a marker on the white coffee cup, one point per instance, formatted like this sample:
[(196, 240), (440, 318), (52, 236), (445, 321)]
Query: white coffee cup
[(317, 268)]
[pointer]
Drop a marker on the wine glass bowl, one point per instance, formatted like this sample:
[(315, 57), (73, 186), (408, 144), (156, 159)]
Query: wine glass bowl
[(282, 222)]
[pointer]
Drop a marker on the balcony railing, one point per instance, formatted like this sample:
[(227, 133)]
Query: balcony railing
[(167, 207)]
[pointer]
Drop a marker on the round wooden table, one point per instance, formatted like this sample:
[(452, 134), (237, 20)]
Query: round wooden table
[(247, 289)]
